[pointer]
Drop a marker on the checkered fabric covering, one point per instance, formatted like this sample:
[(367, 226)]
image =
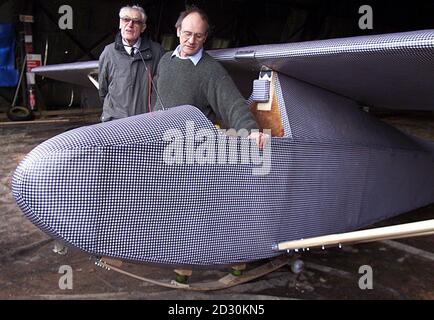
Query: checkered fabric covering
[(401, 64), (261, 91), (108, 190)]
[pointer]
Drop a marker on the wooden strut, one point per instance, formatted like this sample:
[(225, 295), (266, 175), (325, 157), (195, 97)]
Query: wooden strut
[(225, 282), (414, 229)]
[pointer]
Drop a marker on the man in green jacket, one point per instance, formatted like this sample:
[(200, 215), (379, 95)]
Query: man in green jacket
[(188, 75)]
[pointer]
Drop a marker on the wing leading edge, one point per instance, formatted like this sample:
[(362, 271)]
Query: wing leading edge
[(75, 73), (389, 71)]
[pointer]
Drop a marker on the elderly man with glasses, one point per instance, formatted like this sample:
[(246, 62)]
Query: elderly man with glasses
[(125, 84), (188, 75)]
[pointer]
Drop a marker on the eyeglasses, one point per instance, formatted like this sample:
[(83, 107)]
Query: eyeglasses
[(189, 34), (127, 20)]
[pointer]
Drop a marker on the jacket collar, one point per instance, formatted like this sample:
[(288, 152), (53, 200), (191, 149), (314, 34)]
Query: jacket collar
[(144, 46)]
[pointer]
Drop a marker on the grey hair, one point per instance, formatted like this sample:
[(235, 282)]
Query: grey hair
[(135, 7)]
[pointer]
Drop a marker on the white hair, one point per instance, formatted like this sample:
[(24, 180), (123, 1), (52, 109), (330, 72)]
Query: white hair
[(137, 8)]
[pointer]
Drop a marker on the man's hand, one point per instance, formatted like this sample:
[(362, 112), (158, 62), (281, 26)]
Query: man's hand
[(260, 138)]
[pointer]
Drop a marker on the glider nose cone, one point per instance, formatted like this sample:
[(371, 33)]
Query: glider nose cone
[(25, 187), (55, 186), (34, 180)]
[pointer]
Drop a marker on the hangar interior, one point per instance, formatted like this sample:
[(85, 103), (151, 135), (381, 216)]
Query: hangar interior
[(30, 270), (233, 24)]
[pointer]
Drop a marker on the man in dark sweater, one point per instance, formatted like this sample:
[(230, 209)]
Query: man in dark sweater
[(188, 75)]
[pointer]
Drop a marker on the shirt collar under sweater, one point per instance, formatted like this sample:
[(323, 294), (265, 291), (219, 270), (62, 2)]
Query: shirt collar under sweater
[(194, 58)]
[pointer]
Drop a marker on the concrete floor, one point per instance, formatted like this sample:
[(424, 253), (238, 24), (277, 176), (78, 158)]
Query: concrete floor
[(30, 269)]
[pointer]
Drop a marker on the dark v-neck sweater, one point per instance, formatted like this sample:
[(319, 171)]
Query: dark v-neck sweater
[(206, 86)]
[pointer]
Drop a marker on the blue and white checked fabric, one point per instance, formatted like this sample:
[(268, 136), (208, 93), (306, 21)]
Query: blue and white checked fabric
[(400, 64), (107, 190), (261, 91)]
